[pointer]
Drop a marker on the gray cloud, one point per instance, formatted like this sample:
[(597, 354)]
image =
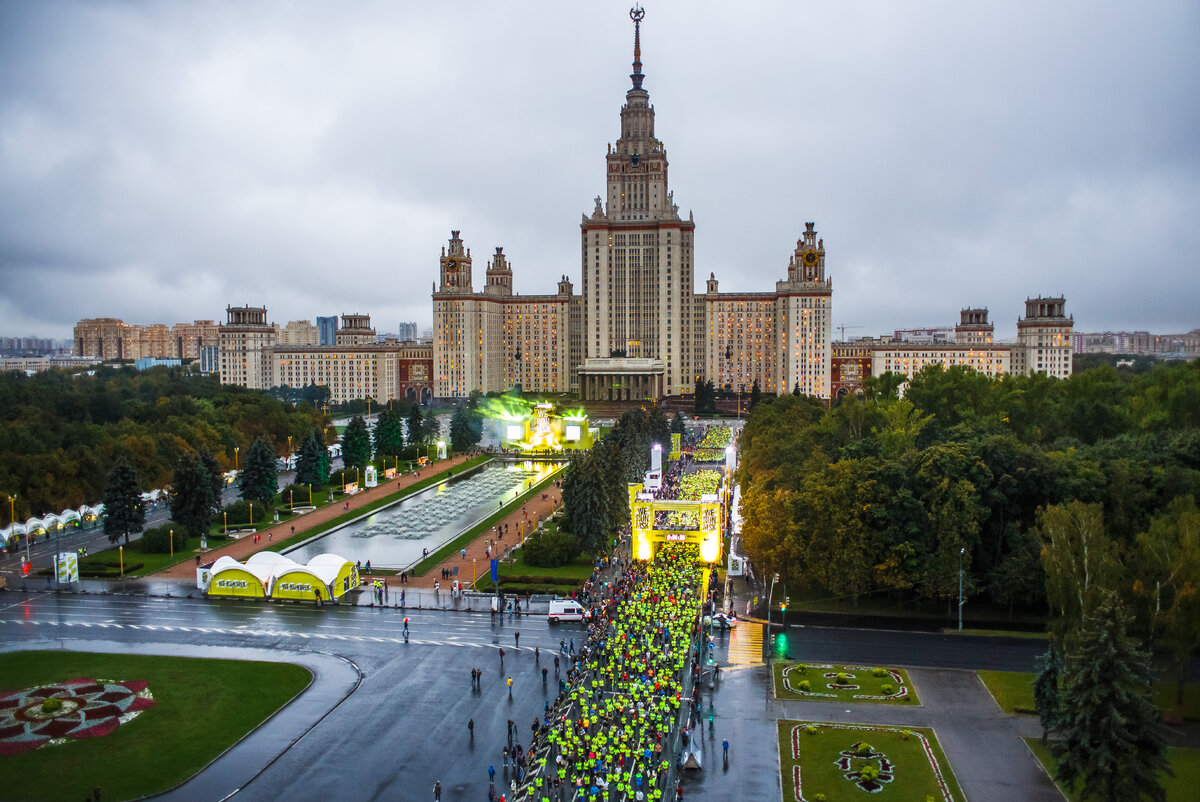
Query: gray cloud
[(161, 160)]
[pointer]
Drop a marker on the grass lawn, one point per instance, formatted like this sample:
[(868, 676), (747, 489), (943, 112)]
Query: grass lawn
[(203, 707), (1180, 788), (1013, 691), (998, 633), (520, 576), (815, 763), (862, 684)]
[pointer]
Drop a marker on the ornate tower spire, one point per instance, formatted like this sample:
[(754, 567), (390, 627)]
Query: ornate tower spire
[(636, 14)]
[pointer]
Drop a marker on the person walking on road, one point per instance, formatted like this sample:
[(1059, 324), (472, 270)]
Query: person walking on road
[(471, 727), (517, 639), (725, 749), (509, 687), (437, 791)]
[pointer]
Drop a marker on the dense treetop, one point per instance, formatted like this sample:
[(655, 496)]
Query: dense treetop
[(888, 493), (61, 434)]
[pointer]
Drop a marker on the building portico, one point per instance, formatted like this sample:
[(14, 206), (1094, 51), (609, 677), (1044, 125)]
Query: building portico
[(621, 379)]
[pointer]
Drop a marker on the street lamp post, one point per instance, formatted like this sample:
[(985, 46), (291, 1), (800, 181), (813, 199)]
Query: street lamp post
[(225, 515), (770, 595), (235, 458), (960, 586)]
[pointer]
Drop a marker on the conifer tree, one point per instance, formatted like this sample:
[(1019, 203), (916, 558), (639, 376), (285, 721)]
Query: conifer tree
[(308, 462), (356, 444), (259, 480), (123, 509), (1108, 724), (191, 496), (1045, 689), (389, 434)]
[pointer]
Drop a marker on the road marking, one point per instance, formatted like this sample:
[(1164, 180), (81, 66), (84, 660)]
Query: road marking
[(242, 631), (745, 644)]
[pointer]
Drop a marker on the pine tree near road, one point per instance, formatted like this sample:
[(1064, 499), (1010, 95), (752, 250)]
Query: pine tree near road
[(1108, 724), (1045, 689), (259, 480), (191, 496), (308, 462), (216, 481), (123, 509), (356, 444), (389, 434)]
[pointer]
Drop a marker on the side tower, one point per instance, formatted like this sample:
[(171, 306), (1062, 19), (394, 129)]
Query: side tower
[(1044, 338), (804, 316)]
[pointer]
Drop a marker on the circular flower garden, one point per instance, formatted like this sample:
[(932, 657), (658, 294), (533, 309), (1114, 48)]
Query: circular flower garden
[(77, 708)]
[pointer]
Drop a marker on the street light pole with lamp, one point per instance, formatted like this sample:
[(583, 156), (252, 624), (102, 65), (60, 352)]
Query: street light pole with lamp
[(235, 458), (770, 595), (961, 552)]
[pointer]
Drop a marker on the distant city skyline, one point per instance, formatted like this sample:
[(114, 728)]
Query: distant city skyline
[(161, 163)]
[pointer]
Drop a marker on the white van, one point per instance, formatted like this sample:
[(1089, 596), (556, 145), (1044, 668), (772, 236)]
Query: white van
[(565, 610)]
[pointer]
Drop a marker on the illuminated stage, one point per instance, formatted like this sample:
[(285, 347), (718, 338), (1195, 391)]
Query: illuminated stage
[(537, 428)]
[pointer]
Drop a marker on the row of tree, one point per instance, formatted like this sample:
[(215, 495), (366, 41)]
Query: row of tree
[(895, 494)]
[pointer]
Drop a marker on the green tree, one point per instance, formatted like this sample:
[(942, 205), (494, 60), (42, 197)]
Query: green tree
[(461, 435), (259, 480), (191, 502), (1167, 575), (1108, 725), (416, 427), (389, 434), (1080, 561), (216, 480), (755, 394), (308, 462), (677, 424), (326, 462), (659, 428), (356, 444), (123, 508), (1046, 690)]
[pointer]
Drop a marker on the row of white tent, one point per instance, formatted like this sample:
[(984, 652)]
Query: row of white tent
[(90, 512)]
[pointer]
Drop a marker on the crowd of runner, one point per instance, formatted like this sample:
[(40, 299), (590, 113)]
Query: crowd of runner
[(607, 736)]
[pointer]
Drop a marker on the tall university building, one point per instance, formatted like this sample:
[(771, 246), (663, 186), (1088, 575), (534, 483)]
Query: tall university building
[(639, 330)]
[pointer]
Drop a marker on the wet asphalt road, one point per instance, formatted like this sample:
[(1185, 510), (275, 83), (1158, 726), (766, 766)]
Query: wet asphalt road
[(404, 726)]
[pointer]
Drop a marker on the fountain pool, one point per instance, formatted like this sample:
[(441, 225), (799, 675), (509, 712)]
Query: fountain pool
[(394, 536)]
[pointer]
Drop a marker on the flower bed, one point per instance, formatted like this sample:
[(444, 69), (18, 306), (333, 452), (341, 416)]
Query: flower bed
[(828, 761), (817, 681), (48, 715)]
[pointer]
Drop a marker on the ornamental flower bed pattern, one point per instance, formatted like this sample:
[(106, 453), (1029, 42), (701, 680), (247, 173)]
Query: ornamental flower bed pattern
[(86, 708), (849, 763), (793, 676)]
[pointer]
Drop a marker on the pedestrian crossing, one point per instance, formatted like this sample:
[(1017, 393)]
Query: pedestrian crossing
[(262, 633), (746, 644)]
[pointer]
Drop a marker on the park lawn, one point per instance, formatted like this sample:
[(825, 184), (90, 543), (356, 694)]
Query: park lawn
[(998, 633), (809, 762), (1180, 788), (203, 707), (863, 685), (1013, 691)]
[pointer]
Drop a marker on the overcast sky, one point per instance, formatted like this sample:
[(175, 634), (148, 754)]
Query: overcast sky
[(160, 160)]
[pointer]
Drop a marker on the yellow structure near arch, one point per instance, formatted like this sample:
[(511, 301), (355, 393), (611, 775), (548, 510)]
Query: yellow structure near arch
[(647, 539)]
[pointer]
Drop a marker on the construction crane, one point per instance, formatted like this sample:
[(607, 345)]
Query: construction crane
[(842, 328)]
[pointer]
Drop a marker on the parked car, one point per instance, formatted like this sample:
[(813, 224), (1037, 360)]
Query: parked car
[(721, 621)]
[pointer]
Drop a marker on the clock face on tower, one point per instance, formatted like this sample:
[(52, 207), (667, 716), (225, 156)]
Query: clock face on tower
[(810, 258)]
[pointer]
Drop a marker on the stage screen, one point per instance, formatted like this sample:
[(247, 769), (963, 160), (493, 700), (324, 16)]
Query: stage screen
[(574, 432), (514, 432)]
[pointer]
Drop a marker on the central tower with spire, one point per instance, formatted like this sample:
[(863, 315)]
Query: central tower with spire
[(638, 300)]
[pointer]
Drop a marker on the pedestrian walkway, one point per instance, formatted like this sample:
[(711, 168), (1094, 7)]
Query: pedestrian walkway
[(241, 549), (746, 644)]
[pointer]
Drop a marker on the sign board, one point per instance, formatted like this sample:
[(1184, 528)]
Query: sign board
[(351, 488), (371, 476), (203, 577), (68, 566), (735, 566), (495, 570), (390, 473), (441, 449)]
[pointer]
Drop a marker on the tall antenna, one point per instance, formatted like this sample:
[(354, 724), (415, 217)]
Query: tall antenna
[(636, 14)]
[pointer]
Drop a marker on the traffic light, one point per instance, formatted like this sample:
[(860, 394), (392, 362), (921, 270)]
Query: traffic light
[(781, 644), (24, 568)]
